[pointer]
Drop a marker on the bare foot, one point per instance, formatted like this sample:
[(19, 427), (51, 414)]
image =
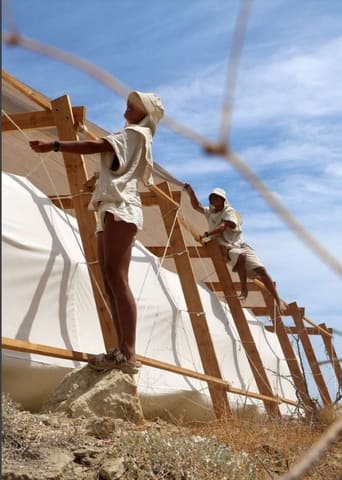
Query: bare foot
[(243, 295)]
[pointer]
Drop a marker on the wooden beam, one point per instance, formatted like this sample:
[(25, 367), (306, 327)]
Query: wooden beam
[(295, 331), (161, 195), (292, 362), (148, 199), (77, 176), (194, 303), (297, 315), (329, 347), (217, 286), (260, 311), (33, 120), (253, 356), (36, 97), (48, 351)]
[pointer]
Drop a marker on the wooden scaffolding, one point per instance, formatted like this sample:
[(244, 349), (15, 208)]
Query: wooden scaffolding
[(60, 114)]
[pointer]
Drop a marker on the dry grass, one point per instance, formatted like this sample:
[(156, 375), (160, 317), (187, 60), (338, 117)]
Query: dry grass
[(246, 447), (276, 444)]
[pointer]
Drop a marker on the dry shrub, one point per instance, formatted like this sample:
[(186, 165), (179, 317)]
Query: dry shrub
[(246, 446), (325, 416)]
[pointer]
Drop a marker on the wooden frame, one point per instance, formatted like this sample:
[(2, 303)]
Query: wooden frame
[(61, 115)]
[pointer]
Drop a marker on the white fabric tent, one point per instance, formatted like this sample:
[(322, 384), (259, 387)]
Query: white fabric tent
[(48, 299)]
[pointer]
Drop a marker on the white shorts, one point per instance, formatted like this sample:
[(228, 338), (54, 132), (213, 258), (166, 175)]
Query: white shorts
[(252, 260), (127, 213)]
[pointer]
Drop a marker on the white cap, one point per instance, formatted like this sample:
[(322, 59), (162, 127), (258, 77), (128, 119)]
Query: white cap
[(220, 192)]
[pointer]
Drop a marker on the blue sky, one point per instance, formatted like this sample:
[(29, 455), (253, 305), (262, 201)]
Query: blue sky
[(286, 120)]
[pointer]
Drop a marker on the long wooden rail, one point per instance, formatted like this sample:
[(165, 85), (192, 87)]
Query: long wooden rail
[(48, 351)]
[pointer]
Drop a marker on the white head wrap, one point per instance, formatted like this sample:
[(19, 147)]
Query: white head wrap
[(219, 192), (153, 106)]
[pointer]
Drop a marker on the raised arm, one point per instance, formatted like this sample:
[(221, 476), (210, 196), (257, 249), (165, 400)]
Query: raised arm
[(193, 199), (72, 146)]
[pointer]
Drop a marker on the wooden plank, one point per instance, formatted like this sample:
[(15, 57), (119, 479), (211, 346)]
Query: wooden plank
[(295, 331), (34, 120), (242, 326), (77, 176), (194, 303), (331, 352), (297, 315), (260, 311), (282, 334), (292, 362), (46, 350), (162, 195), (148, 199), (27, 347), (36, 97), (323, 332), (217, 286)]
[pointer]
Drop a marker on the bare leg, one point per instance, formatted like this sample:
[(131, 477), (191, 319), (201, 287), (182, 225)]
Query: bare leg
[(240, 268), (113, 306), (267, 281), (117, 249)]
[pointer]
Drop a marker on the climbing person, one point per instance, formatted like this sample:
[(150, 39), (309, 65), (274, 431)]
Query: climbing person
[(225, 226), (126, 158)]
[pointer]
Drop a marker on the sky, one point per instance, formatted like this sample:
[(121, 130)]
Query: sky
[(286, 110)]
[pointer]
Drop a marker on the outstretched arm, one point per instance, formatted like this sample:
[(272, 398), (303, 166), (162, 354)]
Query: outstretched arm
[(72, 146), (193, 199)]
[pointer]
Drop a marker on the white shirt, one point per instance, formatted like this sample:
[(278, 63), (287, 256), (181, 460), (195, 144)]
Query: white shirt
[(231, 237), (117, 191)]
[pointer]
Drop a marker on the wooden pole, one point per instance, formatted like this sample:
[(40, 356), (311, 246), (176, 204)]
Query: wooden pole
[(329, 347), (193, 301), (280, 330), (48, 351), (242, 326), (297, 314), (76, 172)]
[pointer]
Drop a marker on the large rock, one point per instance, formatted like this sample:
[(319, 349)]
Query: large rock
[(86, 392)]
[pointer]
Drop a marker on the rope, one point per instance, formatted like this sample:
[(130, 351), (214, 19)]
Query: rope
[(158, 274), (111, 82), (59, 199), (219, 149), (235, 54)]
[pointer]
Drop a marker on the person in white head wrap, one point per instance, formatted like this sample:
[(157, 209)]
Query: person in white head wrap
[(225, 226), (126, 159)]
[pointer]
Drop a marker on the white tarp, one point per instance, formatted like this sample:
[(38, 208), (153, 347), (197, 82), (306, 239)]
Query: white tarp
[(47, 299)]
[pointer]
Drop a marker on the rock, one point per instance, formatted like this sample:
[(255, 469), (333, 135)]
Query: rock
[(51, 466), (112, 469), (87, 393)]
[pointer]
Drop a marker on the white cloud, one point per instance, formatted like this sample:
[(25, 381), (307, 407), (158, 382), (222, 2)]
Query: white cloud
[(291, 84)]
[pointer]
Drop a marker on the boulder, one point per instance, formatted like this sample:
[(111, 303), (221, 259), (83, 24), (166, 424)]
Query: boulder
[(84, 392)]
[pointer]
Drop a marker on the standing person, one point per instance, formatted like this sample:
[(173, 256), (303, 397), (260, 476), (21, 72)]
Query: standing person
[(126, 158), (225, 225)]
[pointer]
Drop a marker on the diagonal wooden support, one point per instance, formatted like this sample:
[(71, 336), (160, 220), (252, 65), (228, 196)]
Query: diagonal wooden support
[(242, 326), (193, 301), (76, 172), (298, 315), (281, 331), (329, 347), (293, 365)]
